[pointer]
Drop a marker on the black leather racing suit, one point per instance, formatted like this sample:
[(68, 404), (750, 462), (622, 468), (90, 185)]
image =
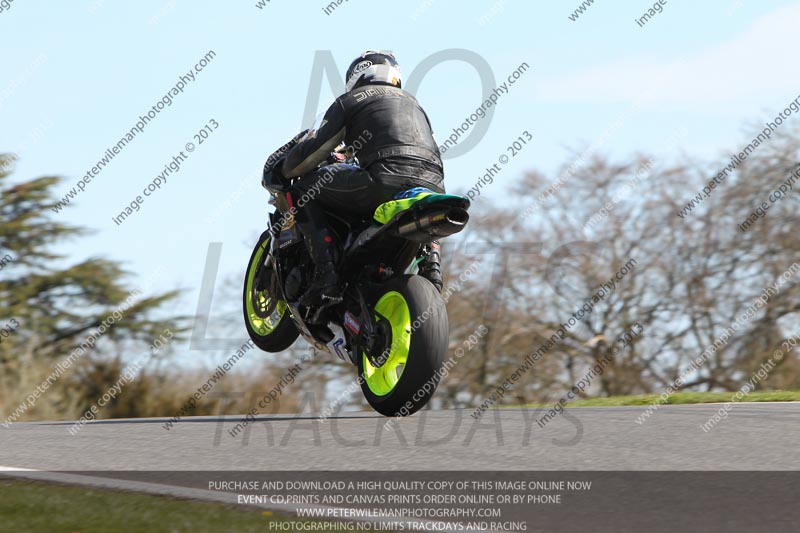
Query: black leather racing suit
[(393, 141), (392, 137)]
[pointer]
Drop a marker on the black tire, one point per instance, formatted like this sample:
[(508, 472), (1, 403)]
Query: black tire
[(275, 338), (426, 350)]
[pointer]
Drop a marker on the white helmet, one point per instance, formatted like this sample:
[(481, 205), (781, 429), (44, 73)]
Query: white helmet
[(373, 68)]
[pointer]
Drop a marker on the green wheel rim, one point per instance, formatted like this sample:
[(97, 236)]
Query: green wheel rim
[(258, 301), (382, 380)]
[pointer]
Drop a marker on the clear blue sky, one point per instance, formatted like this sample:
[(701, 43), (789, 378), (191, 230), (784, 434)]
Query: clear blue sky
[(76, 75)]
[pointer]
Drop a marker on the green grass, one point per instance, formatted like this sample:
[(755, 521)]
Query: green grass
[(34, 507), (682, 398)]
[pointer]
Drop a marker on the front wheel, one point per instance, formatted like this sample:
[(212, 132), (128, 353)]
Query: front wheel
[(266, 317), (412, 319)]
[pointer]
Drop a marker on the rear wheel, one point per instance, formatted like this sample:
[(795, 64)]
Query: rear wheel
[(266, 317), (403, 372)]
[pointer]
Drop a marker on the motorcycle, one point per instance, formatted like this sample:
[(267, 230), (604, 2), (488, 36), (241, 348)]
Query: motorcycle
[(390, 322)]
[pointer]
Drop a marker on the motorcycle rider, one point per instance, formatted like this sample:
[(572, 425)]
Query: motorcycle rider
[(396, 151)]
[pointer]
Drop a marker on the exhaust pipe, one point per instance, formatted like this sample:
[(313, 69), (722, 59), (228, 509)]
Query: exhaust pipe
[(424, 226)]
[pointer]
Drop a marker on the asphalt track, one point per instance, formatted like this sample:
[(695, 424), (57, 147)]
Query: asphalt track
[(755, 437)]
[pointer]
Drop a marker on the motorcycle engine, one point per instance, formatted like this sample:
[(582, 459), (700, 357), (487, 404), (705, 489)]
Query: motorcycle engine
[(294, 284)]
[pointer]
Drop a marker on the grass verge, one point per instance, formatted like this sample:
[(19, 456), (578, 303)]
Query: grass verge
[(682, 398), (34, 507)]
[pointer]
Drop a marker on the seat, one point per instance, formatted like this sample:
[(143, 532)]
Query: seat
[(416, 197)]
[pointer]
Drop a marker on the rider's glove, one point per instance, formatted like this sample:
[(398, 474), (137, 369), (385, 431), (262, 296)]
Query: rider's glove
[(296, 138), (273, 171), (277, 155)]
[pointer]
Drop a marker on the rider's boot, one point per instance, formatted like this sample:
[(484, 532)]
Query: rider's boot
[(430, 267), (324, 288)]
